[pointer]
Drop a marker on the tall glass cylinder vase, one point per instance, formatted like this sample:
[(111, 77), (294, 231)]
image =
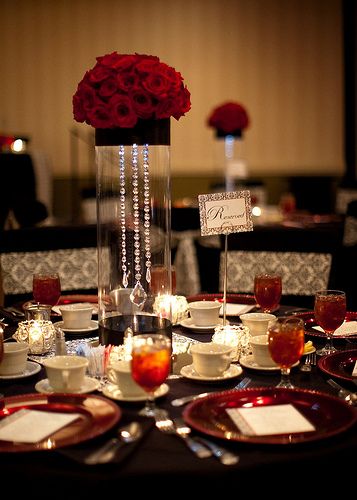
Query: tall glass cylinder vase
[(134, 221), (230, 153)]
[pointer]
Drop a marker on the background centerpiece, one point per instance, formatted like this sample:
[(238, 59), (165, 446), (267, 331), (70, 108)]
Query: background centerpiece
[(229, 120), (129, 99)]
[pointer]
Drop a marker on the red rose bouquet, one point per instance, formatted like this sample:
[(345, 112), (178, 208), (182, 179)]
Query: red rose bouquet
[(124, 88), (229, 118)]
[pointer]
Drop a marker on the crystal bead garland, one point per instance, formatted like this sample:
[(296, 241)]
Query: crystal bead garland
[(134, 227)]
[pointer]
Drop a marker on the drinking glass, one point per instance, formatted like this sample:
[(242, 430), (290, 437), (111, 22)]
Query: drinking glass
[(330, 312), (267, 291), (286, 339), (46, 288), (160, 279), (150, 366)]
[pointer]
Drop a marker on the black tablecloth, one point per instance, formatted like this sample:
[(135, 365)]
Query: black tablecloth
[(162, 465)]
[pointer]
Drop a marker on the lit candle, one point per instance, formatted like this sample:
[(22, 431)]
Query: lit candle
[(173, 307), (237, 336), (39, 334)]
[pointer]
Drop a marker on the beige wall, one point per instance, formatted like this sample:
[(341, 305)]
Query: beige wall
[(282, 59)]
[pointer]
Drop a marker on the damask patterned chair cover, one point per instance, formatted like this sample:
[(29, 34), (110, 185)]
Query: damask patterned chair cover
[(69, 250)]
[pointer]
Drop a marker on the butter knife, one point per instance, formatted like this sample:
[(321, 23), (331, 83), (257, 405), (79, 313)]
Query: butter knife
[(186, 399)]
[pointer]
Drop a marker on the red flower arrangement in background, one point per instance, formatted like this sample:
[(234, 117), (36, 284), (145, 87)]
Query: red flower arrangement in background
[(124, 88), (229, 118)]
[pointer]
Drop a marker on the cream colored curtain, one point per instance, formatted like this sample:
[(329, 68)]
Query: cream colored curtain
[(282, 59)]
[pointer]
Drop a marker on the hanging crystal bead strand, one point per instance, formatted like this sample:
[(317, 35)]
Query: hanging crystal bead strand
[(147, 212), (122, 213), (138, 295)]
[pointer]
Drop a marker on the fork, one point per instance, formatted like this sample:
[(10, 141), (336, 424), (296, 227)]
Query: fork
[(310, 361), (225, 456), (164, 423)]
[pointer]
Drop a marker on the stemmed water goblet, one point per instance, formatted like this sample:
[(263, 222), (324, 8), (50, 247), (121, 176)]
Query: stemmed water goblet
[(286, 339), (46, 288), (330, 312), (150, 366), (267, 291)]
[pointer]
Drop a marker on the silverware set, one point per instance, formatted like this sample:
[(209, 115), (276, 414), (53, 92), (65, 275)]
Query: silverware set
[(349, 396), (201, 447)]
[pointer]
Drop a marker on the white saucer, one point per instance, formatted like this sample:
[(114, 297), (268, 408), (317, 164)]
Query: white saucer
[(188, 323), (90, 384), (188, 371), (112, 391), (31, 369), (248, 362), (93, 326)]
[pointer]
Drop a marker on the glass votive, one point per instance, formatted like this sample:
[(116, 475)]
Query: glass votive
[(236, 336), (39, 334), (36, 311), (174, 305)]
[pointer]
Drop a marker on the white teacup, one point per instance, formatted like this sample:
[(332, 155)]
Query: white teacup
[(76, 315), (66, 373), (205, 312), (210, 359), (257, 322), (119, 373), (260, 349), (14, 358)]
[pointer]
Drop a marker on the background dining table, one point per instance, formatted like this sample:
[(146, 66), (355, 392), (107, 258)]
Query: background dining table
[(161, 464)]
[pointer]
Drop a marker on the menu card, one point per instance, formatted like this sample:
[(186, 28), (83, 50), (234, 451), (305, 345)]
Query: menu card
[(354, 371), (268, 420), (32, 426)]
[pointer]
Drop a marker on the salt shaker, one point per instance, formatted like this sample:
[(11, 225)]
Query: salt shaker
[(60, 343)]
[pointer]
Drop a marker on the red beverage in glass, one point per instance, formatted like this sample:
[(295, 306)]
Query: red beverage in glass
[(330, 310), (150, 367), (267, 291), (286, 344), (46, 288), (160, 279)]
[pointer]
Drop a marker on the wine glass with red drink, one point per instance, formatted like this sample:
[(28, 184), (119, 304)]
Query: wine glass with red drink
[(286, 340), (267, 291), (46, 288), (330, 313), (150, 366)]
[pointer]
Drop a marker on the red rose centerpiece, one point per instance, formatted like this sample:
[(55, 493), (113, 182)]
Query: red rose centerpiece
[(129, 99), (124, 88), (230, 118)]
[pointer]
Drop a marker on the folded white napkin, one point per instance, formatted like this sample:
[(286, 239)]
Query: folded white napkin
[(269, 420), (236, 309), (347, 328), (32, 426)]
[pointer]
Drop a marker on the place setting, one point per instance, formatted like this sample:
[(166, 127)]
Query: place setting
[(211, 362)]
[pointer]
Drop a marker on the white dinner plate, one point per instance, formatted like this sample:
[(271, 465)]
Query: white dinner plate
[(248, 362), (93, 326), (112, 391), (90, 385), (188, 323), (31, 368), (188, 371)]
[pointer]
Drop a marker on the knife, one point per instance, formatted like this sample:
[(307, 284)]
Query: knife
[(349, 396)]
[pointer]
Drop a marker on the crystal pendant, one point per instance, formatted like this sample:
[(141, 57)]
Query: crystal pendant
[(138, 295)]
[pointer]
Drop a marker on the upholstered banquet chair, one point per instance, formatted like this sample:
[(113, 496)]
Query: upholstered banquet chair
[(306, 258), (69, 250)]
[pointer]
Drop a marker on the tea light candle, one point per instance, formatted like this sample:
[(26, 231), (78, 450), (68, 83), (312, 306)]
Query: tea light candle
[(237, 336), (174, 306), (39, 334)]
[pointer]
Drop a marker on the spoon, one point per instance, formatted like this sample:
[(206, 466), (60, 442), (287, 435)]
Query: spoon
[(127, 434)]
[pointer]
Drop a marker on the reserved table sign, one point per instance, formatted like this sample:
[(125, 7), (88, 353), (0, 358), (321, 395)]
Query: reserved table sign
[(225, 213)]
